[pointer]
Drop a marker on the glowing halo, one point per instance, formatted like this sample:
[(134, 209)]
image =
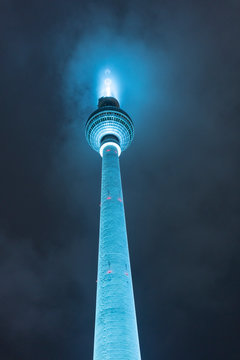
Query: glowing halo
[(110, 143), (108, 82)]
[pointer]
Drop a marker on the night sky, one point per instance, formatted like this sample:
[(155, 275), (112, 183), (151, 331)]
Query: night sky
[(177, 69)]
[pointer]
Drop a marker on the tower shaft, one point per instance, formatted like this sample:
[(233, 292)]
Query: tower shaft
[(116, 335)]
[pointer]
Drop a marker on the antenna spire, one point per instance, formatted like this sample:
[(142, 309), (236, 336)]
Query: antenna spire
[(108, 83)]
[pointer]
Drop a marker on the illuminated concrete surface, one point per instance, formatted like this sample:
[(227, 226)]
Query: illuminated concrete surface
[(109, 130), (116, 334)]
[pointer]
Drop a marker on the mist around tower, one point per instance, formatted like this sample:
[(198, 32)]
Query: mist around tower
[(176, 68)]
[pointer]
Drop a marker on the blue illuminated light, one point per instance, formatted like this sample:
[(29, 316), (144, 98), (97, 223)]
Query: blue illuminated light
[(108, 150), (108, 85), (110, 130)]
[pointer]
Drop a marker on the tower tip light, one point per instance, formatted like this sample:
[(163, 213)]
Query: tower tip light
[(108, 83), (108, 86)]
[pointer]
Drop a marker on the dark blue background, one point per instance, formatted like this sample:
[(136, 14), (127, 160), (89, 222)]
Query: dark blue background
[(177, 69)]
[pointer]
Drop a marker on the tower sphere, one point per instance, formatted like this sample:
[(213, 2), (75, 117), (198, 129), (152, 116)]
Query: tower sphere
[(109, 124)]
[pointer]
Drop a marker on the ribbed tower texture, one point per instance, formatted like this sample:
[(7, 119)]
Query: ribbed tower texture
[(110, 130)]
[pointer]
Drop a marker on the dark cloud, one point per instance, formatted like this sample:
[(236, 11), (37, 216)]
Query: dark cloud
[(177, 65)]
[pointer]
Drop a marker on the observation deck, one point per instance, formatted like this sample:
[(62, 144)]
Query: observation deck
[(109, 123)]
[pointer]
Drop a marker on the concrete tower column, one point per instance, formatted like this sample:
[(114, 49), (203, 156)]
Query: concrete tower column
[(116, 336)]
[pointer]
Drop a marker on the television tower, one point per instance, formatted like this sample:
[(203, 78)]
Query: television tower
[(109, 130)]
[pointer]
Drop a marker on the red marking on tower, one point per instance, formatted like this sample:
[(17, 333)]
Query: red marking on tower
[(109, 197), (109, 271), (119, 199)]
